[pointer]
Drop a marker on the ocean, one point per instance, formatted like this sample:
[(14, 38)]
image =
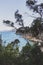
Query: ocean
[(10, 36)]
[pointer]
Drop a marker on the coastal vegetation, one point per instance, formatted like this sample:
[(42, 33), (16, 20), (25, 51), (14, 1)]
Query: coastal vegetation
[(36, 28), (29, 54)]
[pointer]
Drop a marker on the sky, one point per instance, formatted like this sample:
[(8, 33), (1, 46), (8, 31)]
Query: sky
[(7, 9)]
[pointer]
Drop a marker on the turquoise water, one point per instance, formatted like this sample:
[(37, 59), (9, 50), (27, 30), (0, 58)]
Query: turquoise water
[(10, 36)]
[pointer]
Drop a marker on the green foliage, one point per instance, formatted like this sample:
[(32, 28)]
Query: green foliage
[(38, 8), (29, 55), (9, 54), (18, 18), (9, 23), (37, 26), (23, 30)]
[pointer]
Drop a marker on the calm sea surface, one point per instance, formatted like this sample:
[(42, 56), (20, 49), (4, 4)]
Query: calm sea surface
[(10, 36)]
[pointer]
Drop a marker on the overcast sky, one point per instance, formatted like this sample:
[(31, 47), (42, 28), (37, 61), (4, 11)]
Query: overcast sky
[(7, 9)]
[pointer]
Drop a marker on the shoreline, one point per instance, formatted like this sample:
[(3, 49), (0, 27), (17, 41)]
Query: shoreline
[(34, 39)]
